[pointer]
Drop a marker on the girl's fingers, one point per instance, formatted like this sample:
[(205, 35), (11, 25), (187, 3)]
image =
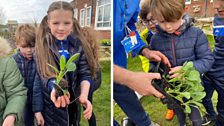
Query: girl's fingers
[(68, 94), (88, 111), (53, 94), (63, 104), (67, 101), (57, 103)]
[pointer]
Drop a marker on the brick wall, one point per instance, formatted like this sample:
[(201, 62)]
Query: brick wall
[(80, 5), (201, 4)]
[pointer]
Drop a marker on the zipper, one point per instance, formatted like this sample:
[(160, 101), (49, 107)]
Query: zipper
[(173, 50)]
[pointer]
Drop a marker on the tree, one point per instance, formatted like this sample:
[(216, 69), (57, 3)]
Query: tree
[(2, 15)]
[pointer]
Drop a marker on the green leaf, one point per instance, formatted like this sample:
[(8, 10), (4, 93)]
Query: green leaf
[(197, 103), (54, 68), (186, 94), (187, 109), (71, 66), (73, 58), (62, 62), (173, 79), (198, 95), (194, 75)]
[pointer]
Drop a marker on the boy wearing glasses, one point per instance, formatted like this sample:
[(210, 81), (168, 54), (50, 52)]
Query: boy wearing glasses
[(25, 41)]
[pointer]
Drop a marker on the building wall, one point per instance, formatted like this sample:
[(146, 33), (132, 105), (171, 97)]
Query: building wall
[(80, 4), (202, 13)]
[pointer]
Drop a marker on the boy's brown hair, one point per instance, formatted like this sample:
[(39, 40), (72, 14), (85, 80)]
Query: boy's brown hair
[(169, 10), (25, 35), (145, 9)]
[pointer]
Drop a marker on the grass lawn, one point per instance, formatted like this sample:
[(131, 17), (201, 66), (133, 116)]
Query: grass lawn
[(152, 105), (101, 98)]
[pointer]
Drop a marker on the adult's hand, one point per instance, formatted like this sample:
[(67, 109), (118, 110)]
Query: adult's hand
[(137, 81), (61, 101), (9, 120), (155, 56)]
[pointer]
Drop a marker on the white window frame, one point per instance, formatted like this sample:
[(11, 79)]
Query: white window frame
[(96, 18), (82, 18), (85, 18), (187, 1), (88, 17), (76, 13)]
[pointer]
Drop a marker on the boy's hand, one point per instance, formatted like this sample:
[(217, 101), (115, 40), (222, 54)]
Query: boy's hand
[(88, 106), (9, 120), (173, 70), (40, 119), (61, 101)]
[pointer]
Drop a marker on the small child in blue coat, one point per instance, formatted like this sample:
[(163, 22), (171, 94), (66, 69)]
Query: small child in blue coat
[(25, 41)]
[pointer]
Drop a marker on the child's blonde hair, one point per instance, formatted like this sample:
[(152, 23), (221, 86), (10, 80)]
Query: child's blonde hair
[(169, 10), (25, 35), (5, 47), (44, 41)]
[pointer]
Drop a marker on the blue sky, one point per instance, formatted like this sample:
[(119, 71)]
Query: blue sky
[(25, 11)]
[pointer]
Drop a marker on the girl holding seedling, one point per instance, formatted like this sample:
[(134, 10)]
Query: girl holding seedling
[(64, 60), (180, 42)]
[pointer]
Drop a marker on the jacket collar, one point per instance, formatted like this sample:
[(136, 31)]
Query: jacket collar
[(187, 22)]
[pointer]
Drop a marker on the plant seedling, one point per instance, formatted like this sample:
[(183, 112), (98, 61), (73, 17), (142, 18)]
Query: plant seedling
[(186, 88), (61, 85)]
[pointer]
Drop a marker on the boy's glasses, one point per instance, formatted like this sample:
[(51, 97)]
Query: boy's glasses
[(149, 21)]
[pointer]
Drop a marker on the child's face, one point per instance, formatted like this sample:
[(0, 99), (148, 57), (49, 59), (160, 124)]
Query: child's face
[(219, 6), (60, 23), (27, 52), (169, 27), (151, 22)]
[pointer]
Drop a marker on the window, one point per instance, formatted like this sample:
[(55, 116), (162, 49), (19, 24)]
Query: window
[(187, 1), (103, 14), (82, 17), (88, 16), (76, 13), (85, 16)]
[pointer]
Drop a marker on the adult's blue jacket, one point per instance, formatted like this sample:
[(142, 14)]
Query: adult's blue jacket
[(217, 70), (126, 14), (188, 43)]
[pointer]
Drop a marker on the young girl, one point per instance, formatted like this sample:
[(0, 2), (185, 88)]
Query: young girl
[(180, 42), (59, 34)]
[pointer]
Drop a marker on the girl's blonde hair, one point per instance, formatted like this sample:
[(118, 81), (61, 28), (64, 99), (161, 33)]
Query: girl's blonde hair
[(45, 44), (169, 10)]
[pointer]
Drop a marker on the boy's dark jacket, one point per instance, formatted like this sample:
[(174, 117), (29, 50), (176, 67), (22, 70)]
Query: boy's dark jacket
[(60, 116), (28, 70), (188, 43), (217, 70)]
